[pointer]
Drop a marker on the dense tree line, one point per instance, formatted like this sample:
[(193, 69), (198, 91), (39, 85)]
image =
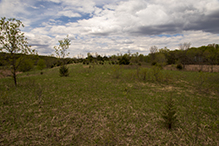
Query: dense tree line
[(204, 55), (50, 61)]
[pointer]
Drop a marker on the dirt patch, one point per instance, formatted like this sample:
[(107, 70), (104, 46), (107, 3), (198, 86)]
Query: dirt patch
[(6, 73), (204, 68), (86, 66)]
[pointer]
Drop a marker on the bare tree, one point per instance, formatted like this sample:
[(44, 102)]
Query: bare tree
[(183, 54), (153, 50), (184, 46)]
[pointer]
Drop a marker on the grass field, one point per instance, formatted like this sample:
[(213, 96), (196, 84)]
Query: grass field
[(109, 105)]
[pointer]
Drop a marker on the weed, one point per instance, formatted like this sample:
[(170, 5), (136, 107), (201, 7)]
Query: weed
[(5, 100), (143, 74), (201, 80), (116, 71), (157, 73), (39, 93)]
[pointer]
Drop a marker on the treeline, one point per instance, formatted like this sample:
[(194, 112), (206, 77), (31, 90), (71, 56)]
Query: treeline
[(204, 55), (29, 61)]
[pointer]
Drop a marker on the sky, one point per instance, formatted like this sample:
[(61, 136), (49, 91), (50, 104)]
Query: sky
[(115, 26)]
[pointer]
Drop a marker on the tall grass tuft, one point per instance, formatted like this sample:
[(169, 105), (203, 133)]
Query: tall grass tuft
[(116, 72)]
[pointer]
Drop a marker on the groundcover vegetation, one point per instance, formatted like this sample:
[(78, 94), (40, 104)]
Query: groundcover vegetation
[(110, 105)]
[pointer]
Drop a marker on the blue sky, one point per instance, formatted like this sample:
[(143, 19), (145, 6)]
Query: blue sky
[(115, 26)]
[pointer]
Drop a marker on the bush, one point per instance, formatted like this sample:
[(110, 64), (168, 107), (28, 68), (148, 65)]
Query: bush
[(157, 73), (63, 71), (159, 65), (179, 66), (41, 64), (124, 60), (143, 74), (58, 63), (53, 65), (26, 65), (153, 63)]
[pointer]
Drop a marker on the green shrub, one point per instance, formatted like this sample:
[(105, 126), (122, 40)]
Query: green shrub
[(159, 65), (143, 74), (153, 63), (63, 71), (58, 63), (124, 60), (26, 65), (156, 71), (41, 64), (179, 66)]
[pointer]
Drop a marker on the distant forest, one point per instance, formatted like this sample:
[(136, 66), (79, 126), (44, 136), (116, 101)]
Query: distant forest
[(204, 55)]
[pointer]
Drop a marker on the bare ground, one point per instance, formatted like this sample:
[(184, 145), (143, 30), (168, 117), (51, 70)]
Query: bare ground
[(204, 68), (6, 73)]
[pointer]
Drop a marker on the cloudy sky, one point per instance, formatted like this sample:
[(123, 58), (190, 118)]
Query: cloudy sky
[(115, 26)]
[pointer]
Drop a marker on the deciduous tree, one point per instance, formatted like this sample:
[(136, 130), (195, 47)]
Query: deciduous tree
[(13, 41), (61, 52)]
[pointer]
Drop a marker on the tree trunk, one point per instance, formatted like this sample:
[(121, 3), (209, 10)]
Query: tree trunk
[(14, 70), (15, 78)]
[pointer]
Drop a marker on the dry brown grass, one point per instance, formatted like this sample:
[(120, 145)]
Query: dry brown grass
[(204, 68), (6, 73)]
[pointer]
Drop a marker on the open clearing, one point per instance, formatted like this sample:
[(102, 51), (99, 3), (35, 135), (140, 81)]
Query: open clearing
[(108, 105)]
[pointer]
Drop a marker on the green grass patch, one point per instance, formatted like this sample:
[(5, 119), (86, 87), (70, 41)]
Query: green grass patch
[(108, 105)]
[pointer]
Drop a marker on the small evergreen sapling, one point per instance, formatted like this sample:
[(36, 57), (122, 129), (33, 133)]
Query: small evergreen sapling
[(169, 114), (63, 71)]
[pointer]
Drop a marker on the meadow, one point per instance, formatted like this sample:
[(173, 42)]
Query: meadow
[(109, 105)]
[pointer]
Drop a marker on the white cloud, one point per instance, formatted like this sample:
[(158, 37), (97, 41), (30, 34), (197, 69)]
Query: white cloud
[(117, 25), (68, 14), (10, 8), (130, 16)]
